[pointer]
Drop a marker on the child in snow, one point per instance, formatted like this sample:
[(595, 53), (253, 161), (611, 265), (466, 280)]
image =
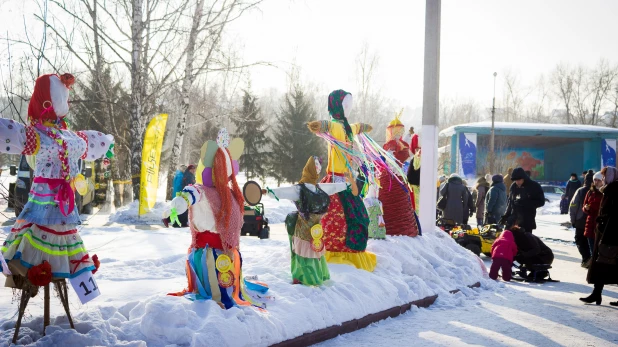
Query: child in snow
[(503, 251), (564, 204)]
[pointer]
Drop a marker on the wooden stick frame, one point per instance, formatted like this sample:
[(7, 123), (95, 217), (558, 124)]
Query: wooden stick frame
[(29, 291)]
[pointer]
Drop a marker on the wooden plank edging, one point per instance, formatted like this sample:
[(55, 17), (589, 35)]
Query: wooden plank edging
[(333, 331)]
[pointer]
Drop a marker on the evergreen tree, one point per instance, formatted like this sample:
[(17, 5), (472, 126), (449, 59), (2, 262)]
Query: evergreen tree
[(293, 142), (251, 127)]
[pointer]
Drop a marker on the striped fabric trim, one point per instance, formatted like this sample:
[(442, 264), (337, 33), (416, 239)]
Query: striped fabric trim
[(56, 274), (42, 195), (34, 201), (45, 229), (44, 249), (43, 241)]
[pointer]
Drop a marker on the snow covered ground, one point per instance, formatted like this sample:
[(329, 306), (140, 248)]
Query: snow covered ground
[(141, 262), (140, 266), (517, 314)]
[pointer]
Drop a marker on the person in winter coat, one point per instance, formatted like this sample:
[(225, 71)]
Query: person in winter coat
[(578, 219), (572, 186), (495, 201), (503, 251), (591, 206), (482, 186), (507, 180), (604, 266), (188, 177), (564, 204), (525, 197), (178, 180), (530, 249), (457, 199), (470, 205)]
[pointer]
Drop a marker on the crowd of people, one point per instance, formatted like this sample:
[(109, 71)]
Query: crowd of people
[(512, 200)]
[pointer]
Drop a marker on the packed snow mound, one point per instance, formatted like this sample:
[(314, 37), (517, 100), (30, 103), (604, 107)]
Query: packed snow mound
[(129, 214), (140, 267)]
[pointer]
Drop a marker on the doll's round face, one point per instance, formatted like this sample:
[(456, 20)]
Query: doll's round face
[(347, 105), (318, 165)]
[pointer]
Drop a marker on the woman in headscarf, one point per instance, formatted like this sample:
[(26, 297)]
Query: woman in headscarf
[(604, 267)]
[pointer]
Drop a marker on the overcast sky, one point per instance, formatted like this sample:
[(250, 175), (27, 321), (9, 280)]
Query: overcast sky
[(478, 38)]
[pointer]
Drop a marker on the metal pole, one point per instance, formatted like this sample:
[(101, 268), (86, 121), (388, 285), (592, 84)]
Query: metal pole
[(429, 140), (492, 154)]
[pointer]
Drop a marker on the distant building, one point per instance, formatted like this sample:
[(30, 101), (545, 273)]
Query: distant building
[(550, 151)]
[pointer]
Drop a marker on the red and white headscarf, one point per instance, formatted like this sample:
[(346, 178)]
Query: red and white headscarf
[(50, 98)]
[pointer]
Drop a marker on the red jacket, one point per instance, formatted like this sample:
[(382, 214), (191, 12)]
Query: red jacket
[(593, 198), (414, 143), (504, 247)]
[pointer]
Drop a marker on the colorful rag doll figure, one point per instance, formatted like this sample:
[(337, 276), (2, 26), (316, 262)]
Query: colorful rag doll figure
[(308, 263), (397, 199), (45, 236), (376, 214), (346, 222), (215, 219)]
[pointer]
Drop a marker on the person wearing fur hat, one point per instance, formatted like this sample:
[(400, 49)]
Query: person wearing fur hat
[(525, 197), (308, 264), (578, 219), (604, 265), (495, 201), (45, 233)]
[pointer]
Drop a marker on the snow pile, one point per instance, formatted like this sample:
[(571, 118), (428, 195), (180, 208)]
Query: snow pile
[(129, 214), (140, 267)]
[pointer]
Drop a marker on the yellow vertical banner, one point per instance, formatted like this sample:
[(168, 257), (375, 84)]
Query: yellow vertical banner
[(151, 154)]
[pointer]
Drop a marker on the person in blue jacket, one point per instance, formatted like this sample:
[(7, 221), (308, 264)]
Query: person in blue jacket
[(495, 200), (178, 176)]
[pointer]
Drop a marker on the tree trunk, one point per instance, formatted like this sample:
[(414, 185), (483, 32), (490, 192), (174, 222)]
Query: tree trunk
[(184, 104), (137, 125)]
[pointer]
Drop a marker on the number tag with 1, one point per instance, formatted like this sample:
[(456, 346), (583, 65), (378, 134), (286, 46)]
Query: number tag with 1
[(85, 286)]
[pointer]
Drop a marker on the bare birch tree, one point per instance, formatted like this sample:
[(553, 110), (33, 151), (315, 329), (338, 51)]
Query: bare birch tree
[(203, 55), (562, 80)]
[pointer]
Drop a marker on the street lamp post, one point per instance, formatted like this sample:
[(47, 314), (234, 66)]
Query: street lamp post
[(492, 154)]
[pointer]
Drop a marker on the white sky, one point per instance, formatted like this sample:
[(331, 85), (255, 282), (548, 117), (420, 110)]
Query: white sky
[(478, 38)]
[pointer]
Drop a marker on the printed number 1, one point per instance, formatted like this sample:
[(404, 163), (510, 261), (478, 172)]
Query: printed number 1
[(86, 290)]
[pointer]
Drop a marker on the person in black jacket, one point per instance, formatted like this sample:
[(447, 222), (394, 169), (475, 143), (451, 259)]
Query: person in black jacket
[(578, 219), (530, 249), (572, 186), (525, 197)]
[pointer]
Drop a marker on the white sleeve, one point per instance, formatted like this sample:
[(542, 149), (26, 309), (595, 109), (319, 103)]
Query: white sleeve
[(12, 136), (97, 143), (332, 188), (193, 194), (287, 193)]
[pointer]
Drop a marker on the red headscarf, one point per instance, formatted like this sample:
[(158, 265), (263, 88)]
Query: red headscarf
[(41, 107)]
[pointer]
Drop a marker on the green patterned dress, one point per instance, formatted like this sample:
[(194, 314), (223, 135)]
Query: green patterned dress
[(305, 232)]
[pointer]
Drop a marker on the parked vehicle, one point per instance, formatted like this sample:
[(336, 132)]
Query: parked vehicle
[(552, 193), (21, 188)]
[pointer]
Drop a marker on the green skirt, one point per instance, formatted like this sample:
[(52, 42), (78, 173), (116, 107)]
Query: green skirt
[(308, 266)]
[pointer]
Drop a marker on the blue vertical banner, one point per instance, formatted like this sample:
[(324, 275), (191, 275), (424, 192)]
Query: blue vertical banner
[(467, 155), (608, 152)]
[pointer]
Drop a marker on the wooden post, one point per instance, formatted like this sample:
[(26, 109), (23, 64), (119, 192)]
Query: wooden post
[(45, 308), (23, 302), (429, 140), (63, 293)]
